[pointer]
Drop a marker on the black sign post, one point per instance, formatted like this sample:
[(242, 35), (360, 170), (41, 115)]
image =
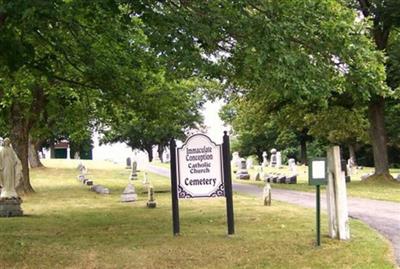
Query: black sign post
[(318, 175), (174, 189), (228, 183)]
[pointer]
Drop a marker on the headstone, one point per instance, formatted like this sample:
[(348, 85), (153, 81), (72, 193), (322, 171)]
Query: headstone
[(278, 160), (100, 189), (133, 175), (10, 176), (265, 159), (83, 171), (273, 158), (145, 181), (128, 163), (76, 156), (350, 166), (235, 161), (281, 179), (129, 194), (167, 157), (292, 167), (249, 163), (242, 172), (267, 196), (291, 180), (151, 203)]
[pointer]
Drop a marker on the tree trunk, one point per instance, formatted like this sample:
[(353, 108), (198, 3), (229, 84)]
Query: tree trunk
[(33, 157), (378, 137), (20, 140), (160, 151), (352, 154), (149, 150), (303, 151)]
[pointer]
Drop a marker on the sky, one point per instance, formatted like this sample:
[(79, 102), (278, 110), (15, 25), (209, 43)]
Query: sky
[(213, 121)]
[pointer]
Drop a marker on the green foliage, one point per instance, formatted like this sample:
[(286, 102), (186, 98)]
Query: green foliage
[(167, 109)]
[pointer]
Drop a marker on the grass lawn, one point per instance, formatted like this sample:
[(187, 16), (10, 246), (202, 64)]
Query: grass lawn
[(67, 226)]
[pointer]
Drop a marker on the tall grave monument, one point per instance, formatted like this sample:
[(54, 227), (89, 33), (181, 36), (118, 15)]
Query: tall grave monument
[(10, 175)]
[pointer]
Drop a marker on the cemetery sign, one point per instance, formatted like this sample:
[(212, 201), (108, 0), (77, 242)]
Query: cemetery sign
[(200, 168)]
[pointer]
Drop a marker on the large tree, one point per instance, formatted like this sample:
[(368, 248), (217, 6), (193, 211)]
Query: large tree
[(385, 20), (167, 109), (303, 51), (46, 46)]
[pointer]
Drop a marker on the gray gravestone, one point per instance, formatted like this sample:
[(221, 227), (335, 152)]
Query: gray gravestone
[(100, 189), (151, 203), (129, 194), (133, 175), (273, 158), (242, 173), (128, 163)]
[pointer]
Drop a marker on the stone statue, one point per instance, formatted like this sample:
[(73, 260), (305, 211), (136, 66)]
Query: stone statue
[(10, 170)]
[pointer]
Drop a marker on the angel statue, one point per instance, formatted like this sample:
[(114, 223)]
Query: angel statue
[(10, 170)]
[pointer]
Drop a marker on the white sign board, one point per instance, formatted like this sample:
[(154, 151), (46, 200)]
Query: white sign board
[(318, 169), (200, 167)]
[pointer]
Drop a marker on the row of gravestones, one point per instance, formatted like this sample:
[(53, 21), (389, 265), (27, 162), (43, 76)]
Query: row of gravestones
[(129, 193), (242, 173), (82, 177), (275, 161)]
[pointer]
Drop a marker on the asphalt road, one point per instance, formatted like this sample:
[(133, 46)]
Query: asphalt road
[(381, 215)]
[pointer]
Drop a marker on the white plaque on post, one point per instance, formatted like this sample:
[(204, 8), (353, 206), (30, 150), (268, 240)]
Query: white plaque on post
[(200, 170)]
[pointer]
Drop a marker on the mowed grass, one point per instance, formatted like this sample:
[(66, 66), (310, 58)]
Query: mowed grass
[(67, 226)]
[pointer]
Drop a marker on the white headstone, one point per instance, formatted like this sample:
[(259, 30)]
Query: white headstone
[(265, 159), (273, 158), (292, 167), (249, 163), (236, 159), (278, 159)]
